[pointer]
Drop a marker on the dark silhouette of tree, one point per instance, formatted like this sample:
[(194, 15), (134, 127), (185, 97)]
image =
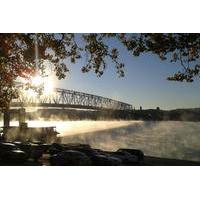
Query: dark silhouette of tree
[(183, 48), (23, 55)]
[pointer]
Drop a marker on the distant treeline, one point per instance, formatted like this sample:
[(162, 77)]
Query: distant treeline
[(175, 115), (150, 114)]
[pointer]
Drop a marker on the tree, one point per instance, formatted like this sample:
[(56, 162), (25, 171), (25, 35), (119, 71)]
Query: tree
[(23, 55), (19, 58), (183, 48)]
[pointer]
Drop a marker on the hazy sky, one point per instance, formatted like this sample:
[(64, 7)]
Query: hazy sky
[(144, 83)]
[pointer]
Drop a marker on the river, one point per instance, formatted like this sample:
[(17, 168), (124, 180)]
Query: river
[(169, 139)]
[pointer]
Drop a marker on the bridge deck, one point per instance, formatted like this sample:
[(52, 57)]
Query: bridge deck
[(69, 99)]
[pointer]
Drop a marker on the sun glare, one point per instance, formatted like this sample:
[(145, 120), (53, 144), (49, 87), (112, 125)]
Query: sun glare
[(31, 93), (48, 86), (37, 81), (45, 82)]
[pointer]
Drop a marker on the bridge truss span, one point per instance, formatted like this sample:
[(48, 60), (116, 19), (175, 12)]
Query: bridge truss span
[(70, 98)]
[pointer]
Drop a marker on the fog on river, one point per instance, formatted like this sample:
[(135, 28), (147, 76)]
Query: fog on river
[(170, 139)]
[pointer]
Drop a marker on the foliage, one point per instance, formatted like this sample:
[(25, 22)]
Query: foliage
[(23, 55), (183, 48)]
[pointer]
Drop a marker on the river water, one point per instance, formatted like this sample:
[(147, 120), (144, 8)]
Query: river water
[(169, 139)]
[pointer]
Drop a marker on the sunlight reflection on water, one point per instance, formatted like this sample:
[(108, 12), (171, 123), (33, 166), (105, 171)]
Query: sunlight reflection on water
[(67, 128)]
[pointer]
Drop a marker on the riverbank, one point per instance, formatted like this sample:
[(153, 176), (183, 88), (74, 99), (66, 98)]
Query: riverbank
[(37, 154), (167, 139)]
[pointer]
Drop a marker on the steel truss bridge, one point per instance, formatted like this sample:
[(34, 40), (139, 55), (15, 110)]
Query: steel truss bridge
[(63, 98)]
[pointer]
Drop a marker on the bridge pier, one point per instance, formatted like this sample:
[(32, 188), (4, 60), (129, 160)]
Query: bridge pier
[(6, 121), (22, 117), (6, 118)]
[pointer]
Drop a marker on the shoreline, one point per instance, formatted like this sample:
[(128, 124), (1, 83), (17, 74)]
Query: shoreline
[(76, 154)]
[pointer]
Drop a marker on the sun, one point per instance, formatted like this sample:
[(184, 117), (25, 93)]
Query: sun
[(37, 81), (45, 82), (48, 86), (30, 93)]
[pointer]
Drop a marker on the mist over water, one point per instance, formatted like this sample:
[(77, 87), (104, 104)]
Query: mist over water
[(169, 139)]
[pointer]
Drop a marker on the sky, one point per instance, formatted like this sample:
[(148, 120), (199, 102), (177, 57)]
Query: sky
[(144, 84)]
